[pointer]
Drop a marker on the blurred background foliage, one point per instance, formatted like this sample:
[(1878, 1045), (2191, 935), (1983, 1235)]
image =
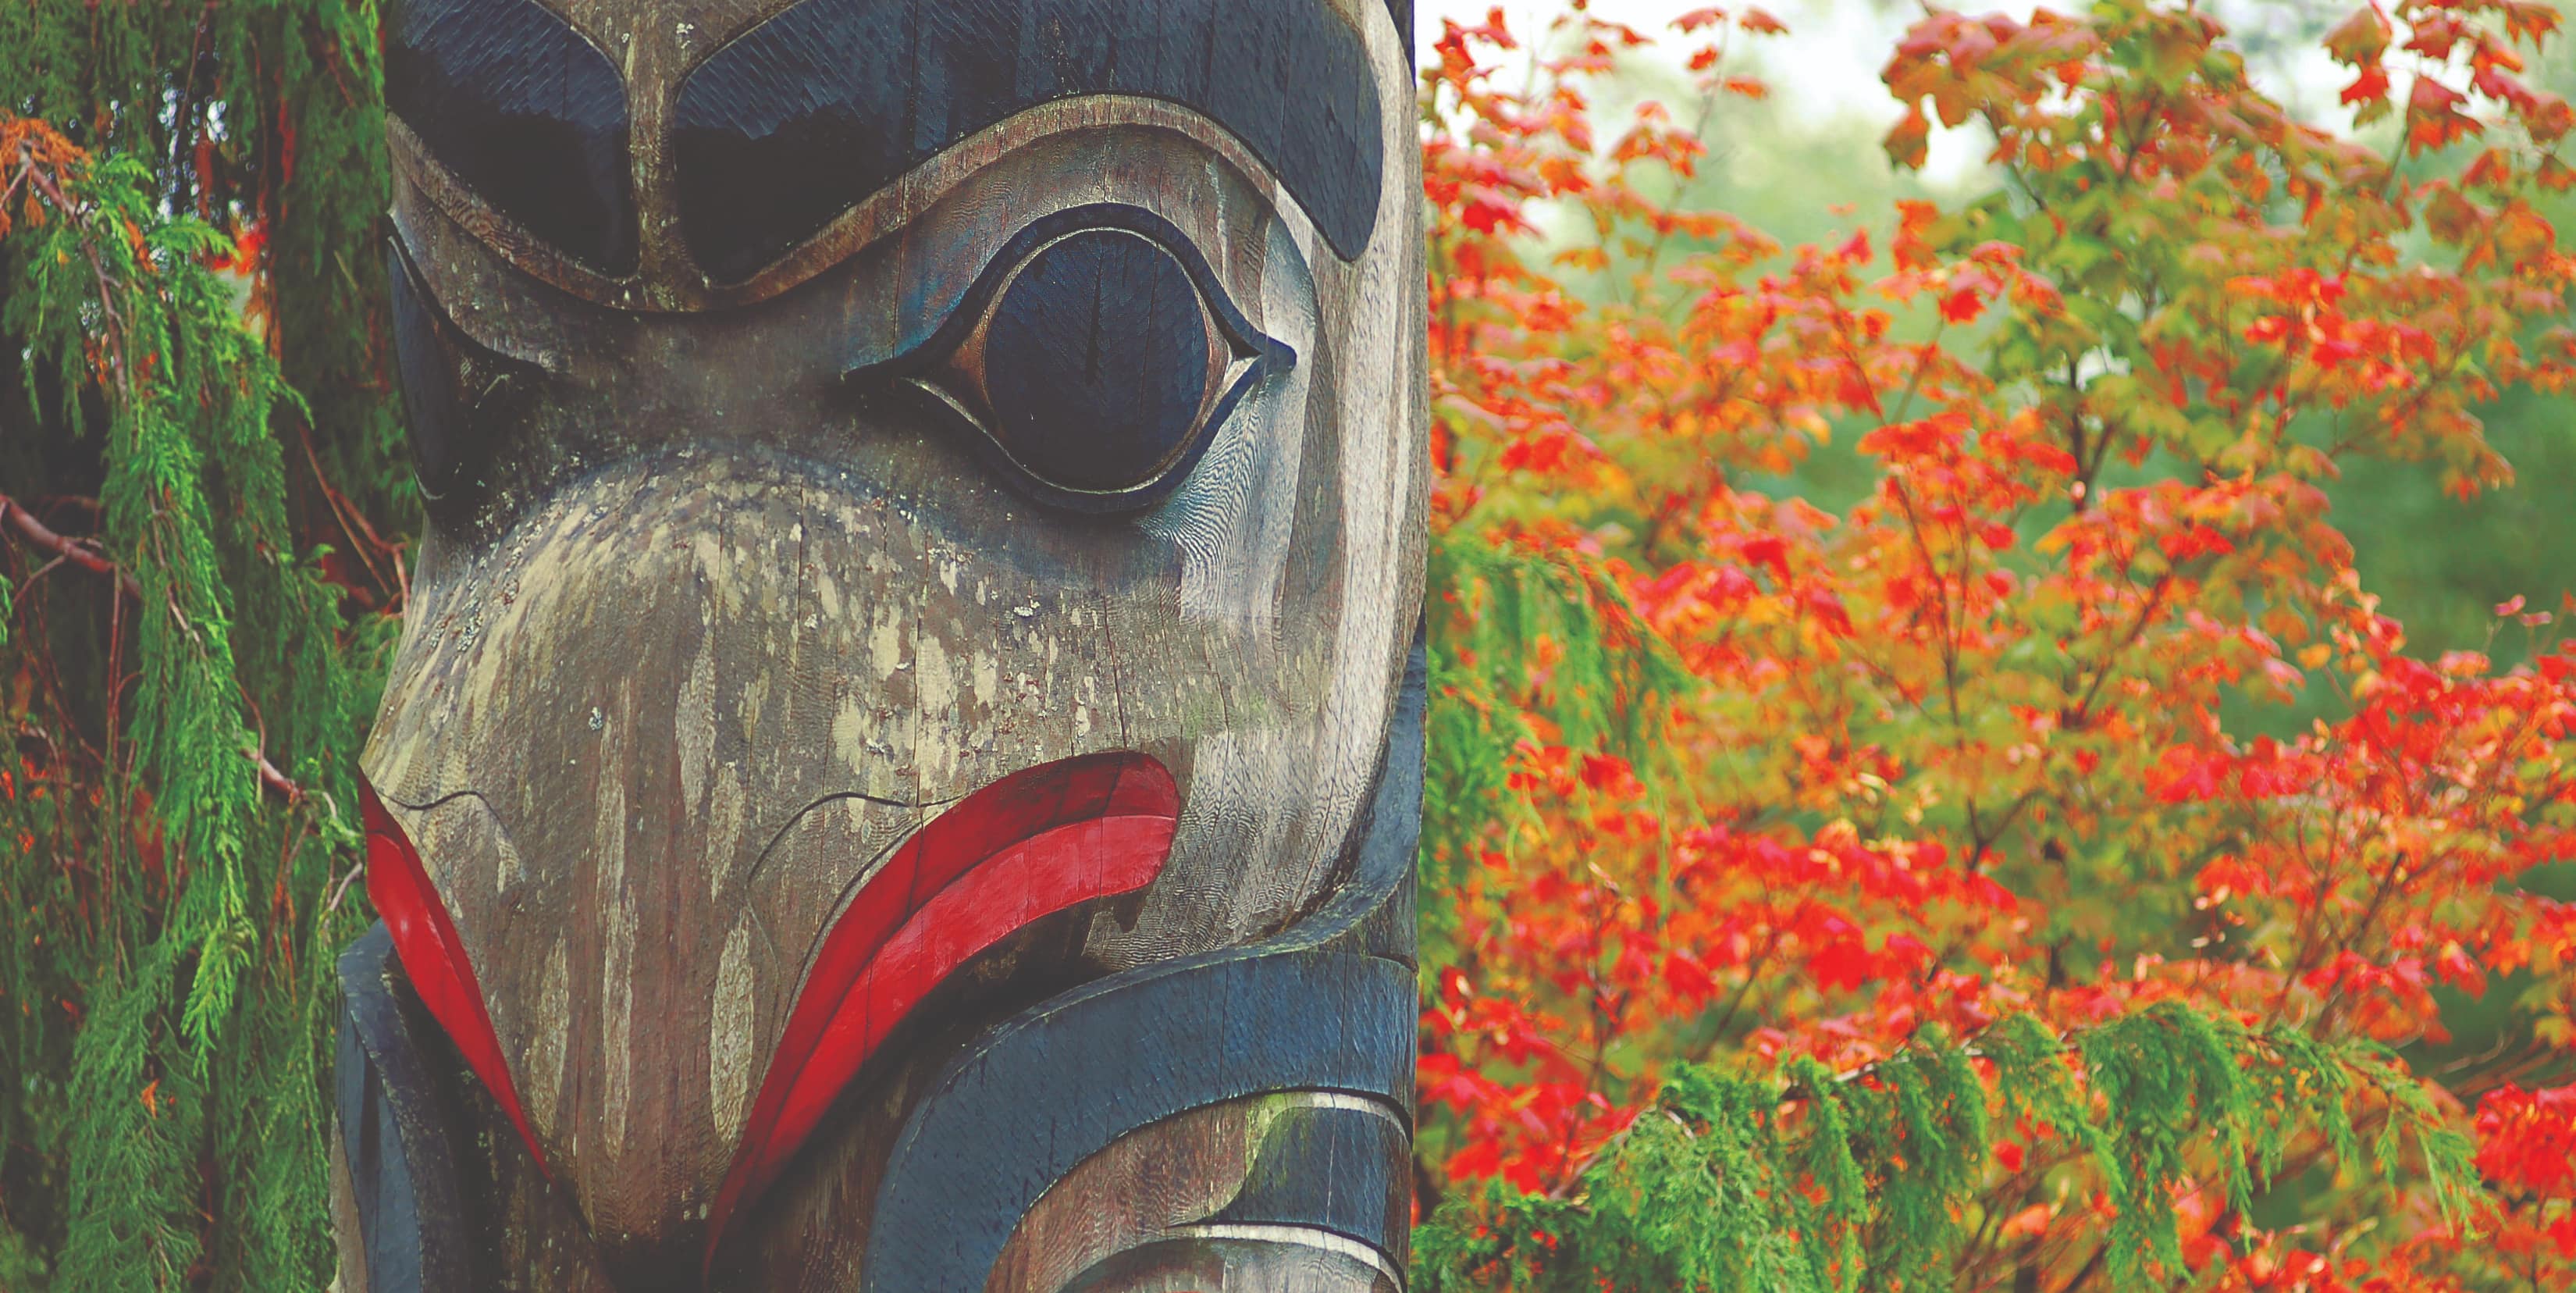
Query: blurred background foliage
[(1625, 426), (2441, 561)]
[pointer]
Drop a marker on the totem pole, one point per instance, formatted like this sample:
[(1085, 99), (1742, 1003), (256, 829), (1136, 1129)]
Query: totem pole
[(902, 767)]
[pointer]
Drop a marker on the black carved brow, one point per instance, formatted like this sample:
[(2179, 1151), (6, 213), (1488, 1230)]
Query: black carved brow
[(808, 113), (517, 105)]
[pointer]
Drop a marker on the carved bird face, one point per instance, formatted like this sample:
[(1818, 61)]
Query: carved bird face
[(924, 513)]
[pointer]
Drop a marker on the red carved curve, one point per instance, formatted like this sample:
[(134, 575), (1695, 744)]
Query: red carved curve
[(1032, 844), (432, 956)]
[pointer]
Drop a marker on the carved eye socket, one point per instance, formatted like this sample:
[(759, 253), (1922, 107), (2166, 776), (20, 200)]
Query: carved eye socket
[(1093, 361)]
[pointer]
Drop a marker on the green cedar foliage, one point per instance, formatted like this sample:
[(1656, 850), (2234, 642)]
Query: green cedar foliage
[(1816, 1182), (178, 820), (1608, 684)]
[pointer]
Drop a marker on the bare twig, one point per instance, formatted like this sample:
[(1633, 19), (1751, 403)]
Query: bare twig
[(79, 552), (340, 889), (275, 780), (363, 539)]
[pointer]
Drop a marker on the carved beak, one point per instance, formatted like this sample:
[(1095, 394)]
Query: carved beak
[(706, 778)]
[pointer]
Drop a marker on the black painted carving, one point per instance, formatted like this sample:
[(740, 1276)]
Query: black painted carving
[(394, 1129), (460, 400), (433, 408), (806, 114), (1080, 386), (524, 111), (1310, 1009), (1059, 1085)]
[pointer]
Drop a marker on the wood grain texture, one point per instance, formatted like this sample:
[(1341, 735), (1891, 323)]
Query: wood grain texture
[(1087, 391), (1242, 1260), (1190, 1170), (1133, 1192), (1016, 1103), (656, 43), (1064, 1084)]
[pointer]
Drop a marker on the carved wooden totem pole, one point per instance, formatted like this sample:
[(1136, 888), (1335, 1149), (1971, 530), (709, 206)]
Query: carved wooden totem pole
[(902, 767)]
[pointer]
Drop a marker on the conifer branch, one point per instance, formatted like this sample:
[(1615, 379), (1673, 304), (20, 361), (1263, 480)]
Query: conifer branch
[(182, 1106)]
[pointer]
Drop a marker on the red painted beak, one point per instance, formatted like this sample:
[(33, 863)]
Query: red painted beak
[(1032, 844), (432, 956)]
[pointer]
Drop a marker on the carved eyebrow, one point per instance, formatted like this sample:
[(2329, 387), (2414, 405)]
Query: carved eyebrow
[(803, 116), (518, 106)]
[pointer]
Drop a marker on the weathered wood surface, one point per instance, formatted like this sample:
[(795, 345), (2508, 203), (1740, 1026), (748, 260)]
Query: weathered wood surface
[(754, 551)]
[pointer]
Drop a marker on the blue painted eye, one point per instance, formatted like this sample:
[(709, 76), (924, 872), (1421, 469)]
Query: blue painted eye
[(1096, 361), (1092, 362)]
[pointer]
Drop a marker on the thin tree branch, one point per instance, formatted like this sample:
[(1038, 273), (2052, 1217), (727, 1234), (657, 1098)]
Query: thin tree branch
[(80, 552), (76, 551)]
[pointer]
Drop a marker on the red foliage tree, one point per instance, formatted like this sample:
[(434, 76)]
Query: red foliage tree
[(2021, 743)]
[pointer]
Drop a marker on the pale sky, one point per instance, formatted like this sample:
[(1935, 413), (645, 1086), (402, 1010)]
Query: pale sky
[(1827, 65)]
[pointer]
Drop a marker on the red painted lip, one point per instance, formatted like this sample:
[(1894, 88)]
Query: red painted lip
[(1027, 846), (433, 957)]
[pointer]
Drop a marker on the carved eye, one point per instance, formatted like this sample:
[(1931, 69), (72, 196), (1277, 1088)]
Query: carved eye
[(460, 398), (1093, 361)]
